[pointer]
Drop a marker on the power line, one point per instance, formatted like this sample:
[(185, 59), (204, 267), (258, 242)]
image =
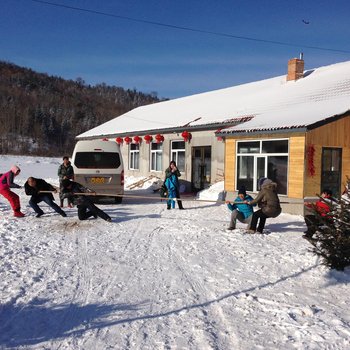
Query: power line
[(232, 36)]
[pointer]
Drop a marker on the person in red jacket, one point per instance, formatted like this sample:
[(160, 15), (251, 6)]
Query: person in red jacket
[(322, 207), (6, 182)]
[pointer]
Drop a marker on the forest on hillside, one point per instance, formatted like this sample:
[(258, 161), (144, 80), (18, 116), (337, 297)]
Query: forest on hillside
[(42, 114)]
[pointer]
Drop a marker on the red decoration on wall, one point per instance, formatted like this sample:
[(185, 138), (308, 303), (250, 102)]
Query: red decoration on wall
[(119, 140), (310, 160), (128, 140), (148, 138), (159, 138), (186, 136), (137, 139)]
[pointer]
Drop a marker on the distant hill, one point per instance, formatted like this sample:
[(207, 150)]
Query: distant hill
[(42, 114)]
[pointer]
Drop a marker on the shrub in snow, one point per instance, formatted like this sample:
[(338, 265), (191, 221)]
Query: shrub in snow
[(332, 239)]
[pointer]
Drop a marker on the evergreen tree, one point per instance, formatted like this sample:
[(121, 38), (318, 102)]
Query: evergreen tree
[(332, 239)]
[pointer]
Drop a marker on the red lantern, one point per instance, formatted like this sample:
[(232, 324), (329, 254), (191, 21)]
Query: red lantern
[(119, 140), (186, 136), (159, 138), (148, 138), (137, 139), (128, 140)]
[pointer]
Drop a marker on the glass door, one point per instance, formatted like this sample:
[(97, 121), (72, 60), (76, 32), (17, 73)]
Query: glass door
[(201, 167), (331, 170), (260, 171)]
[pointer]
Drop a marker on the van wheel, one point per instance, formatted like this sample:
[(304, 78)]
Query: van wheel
[(118, 200)]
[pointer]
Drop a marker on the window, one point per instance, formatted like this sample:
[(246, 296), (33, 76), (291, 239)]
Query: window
[(265, 158), (134, 157), (248, 147), (276, 146), (97, 160), (178, 154), (331, 169), (156, 156)]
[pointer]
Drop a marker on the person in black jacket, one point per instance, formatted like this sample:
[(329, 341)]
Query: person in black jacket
[(33, 187), (65, 171), (86, 208)]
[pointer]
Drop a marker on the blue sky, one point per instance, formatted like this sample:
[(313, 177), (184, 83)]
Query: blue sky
[(172, 62)]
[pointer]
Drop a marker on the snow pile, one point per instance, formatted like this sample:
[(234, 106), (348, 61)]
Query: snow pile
[(139, 182), (162, 279), (214, 192)]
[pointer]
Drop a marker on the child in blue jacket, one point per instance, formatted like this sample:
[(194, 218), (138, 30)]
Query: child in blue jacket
[(243, 212)]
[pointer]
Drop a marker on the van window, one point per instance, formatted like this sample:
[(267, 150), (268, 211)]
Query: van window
[(93, 160)]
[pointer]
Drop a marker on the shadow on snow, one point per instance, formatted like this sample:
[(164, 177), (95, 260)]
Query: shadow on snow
[(35, 323)]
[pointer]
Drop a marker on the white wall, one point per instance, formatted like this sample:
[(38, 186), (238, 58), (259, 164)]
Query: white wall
[(199, 138)]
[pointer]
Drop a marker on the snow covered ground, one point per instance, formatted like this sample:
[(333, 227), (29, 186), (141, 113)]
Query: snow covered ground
[(161, 279)]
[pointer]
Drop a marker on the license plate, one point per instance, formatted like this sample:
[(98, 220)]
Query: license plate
[(97, 180)]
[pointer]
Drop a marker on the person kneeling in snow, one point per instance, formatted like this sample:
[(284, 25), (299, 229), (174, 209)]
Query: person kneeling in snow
[(240, 210), (33, 187), (320, 211), (6, 182), (86, 208)]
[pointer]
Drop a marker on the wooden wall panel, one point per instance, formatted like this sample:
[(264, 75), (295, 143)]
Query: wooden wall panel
[(313, 183), (296, 166), (335, 134), (230, 164)]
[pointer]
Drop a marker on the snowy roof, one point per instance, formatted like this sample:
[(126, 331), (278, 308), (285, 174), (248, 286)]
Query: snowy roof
[(269, 104)]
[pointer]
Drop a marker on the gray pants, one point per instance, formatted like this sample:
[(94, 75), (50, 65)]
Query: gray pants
[(238, 215)]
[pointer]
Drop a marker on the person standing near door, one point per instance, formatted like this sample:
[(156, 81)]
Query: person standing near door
[(172, 175)]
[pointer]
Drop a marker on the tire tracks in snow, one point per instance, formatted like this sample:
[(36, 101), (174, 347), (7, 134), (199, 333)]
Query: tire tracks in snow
[(132, 253), (213, 327), (82, 288)]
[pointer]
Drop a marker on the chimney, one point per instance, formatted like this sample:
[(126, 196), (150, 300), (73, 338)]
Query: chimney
[(295, 68)]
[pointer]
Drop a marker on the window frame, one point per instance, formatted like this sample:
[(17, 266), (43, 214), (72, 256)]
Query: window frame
[(177, 151), (155, 153), (134, 155), (257, 155)]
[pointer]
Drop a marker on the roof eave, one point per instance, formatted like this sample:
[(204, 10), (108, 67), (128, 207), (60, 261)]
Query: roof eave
[(254, 132), (172, 130)]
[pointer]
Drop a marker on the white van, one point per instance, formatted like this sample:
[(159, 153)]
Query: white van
[(99, 165)]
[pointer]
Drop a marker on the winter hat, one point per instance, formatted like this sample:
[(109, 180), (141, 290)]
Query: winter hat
[(327, 191), (15, 169), (261, 181), (242, 191)]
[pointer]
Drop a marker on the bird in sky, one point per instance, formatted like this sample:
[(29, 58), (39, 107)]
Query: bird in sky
[(305, 22)]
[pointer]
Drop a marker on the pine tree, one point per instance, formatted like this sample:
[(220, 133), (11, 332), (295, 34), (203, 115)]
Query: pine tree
[(332, 239)]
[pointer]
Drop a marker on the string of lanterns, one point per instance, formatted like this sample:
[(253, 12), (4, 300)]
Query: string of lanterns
[(159, 138), (311, 160)]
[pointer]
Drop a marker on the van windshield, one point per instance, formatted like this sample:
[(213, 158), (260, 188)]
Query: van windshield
[(97, 160)]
